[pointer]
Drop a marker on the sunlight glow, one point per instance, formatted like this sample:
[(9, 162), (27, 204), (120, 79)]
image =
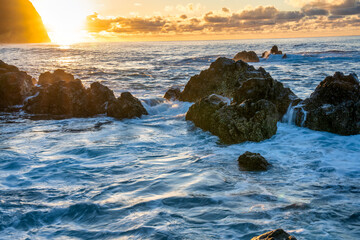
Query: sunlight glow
[(65, 19)]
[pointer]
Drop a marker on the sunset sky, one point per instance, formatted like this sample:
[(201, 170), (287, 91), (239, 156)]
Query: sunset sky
[(126, 20)]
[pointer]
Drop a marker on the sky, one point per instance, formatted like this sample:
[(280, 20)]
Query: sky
[(140, 20)]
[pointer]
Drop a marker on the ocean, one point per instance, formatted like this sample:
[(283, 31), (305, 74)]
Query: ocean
[(160, 177)]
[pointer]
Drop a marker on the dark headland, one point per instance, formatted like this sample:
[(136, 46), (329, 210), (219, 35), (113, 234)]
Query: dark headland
[(21, 23)]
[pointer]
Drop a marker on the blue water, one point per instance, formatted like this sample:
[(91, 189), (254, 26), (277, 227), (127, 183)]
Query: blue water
[(159, 177)]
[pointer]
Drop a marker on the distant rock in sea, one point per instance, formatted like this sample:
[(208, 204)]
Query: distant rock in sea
[(277, 234), (253, 162), (21, 23), (334, 106), (247, 56), (274, 51), (60, 95)]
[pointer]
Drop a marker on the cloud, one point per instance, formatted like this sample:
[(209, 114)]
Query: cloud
[(314, 15)]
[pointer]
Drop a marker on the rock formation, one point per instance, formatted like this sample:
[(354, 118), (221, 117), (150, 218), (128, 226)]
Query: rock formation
[(247, 56), (173, 94), (15, 86), (253, 162), (20, 23), (60, 95), (274, 51), (334, 106), (235, 123), (277, 234)]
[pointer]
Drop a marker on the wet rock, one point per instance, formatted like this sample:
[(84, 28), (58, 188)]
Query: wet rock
[(126, 106), (100, 97), (173, 94), (277, 234), (235, 123), (247, 56), (274, 50), (15, 86), (266, 88), (223, 78), (59, 93), (334, 106), (253, 162)]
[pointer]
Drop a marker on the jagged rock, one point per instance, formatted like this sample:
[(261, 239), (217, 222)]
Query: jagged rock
[(247, 56), (15, 86), (284, 56), (266, 88), (235, 123), (100, 97), (223, 77), (60, 94), (173, 94), (334, 106), (20, 23), (274, 50), (277, 234), (253, 162), (126, 106)]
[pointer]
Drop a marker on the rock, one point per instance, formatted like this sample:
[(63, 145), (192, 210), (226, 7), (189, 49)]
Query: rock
[(284, 56), (126, 106), (100, 97), (334, 106), (173, 94), (252, 162), (274, 50), (235, 123), (223, 78), (20, 23), (247, 56), (277, 234), (59, 94), (15, 86), (266, 88)]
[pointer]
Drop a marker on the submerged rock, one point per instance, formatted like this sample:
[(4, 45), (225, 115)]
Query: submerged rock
[(235, 123), (126, 106), (15, 86), (277, 234), (60, 94), (247, 56), (334, 106), (253, 162), (173, 94)]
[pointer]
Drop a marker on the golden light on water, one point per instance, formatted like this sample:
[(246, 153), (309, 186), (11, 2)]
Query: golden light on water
[(65, 19)]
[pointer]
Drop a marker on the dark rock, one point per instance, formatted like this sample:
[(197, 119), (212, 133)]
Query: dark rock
[(100, 97), (20, 23), (274, 50), (252, 162), (173, 94), (235, 123), (284, 56), (126, 106), (247, 56), (277, 234), (223, 78), (334, 106), (15, 86), (266, 88), (59, 94)]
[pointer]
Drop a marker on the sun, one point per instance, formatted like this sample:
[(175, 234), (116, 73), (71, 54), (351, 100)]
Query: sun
[(64, 19)]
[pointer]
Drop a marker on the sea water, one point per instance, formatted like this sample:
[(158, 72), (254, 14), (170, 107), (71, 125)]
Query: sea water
[(159, 177)]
